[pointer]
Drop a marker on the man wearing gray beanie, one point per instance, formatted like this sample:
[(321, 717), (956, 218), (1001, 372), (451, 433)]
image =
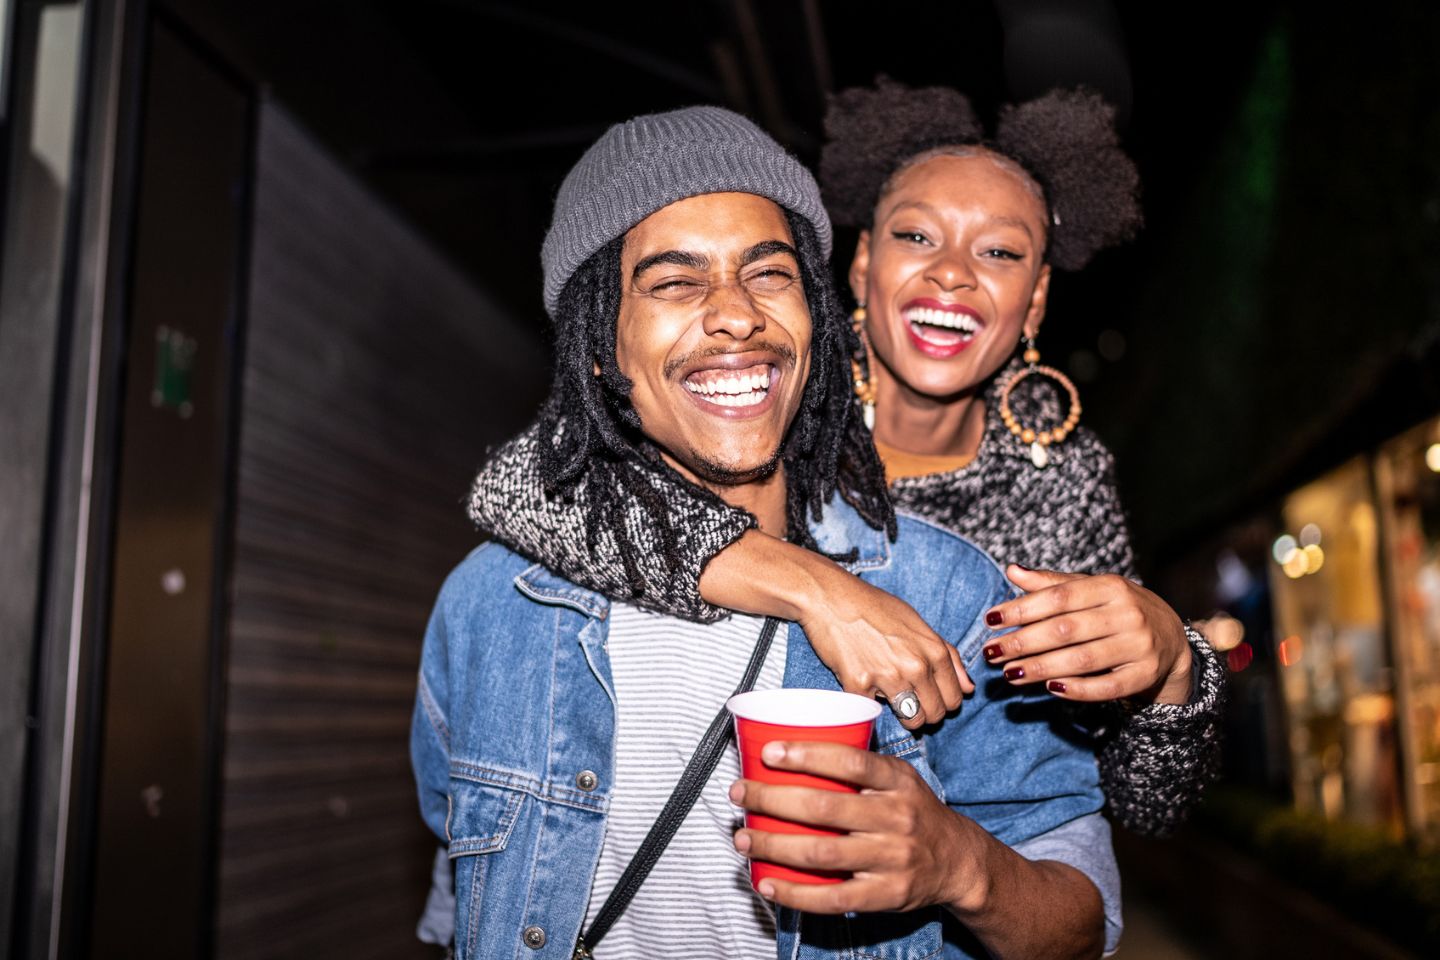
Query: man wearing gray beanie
[(699, 343)]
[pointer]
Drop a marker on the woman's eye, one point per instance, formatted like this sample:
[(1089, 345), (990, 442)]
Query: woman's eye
[(910, 236), (1000, 253)]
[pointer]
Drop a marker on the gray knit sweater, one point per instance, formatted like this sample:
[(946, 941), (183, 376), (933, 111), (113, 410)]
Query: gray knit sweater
[(1154, 760)]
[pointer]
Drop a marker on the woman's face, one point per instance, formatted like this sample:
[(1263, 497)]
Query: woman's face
[(951, 272)]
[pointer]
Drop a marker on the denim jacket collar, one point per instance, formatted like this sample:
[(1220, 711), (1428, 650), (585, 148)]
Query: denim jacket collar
[(838, 531), (841, 530), (541, 585)]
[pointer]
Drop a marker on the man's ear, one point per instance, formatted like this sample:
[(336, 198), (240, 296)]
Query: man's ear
[(859, 266)]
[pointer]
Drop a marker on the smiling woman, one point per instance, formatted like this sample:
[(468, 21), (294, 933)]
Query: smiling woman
[(951, 273)]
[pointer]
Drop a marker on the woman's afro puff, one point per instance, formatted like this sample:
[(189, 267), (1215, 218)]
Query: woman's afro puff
[(869, 133), (1066, 140)]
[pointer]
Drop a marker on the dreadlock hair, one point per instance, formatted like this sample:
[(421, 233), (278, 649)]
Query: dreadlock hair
[(596, 432), (1065, 141)]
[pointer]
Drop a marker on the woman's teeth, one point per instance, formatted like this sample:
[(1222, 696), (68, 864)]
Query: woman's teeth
[(963, 322), (729, 390)]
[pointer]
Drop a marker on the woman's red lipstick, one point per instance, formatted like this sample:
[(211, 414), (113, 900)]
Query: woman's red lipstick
[(938, 329)]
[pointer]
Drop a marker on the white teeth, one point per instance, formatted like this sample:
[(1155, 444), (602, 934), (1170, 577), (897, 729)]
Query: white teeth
[(734, 391), (942, 318), (738, 399)]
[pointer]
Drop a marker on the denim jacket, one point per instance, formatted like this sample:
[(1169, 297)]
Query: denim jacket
[(513, 746)]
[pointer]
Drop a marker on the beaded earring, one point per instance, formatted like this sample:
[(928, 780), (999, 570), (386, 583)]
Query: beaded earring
[(859, 369), (1039, 440)]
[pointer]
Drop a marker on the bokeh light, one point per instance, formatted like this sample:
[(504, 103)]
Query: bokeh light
[(1284, 546), (1296, 565), (1432, 457), (1240, 657), (1310, 535), (1314, 558), (1291, 648)]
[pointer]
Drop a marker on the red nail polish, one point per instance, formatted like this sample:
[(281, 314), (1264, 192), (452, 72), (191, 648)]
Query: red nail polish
[(993, 651), (1015, 673), (1055, 686), (993, 618)]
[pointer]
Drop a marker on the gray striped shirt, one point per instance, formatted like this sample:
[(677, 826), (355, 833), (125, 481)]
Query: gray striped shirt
[(671, 676)]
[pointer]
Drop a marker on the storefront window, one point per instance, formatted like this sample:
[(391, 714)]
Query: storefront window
[(1408, 481), (1334, 667)]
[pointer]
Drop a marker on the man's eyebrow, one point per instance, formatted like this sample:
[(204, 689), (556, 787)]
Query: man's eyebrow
[(680, 258), (767, 248)]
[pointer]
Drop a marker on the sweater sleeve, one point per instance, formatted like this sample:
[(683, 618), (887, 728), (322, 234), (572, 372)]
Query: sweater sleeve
[(509, 502), (1162, 756)]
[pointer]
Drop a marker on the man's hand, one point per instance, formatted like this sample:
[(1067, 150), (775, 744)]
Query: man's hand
[(904, 847)]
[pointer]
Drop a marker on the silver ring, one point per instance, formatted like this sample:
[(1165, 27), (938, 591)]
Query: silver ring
[(905, 704)]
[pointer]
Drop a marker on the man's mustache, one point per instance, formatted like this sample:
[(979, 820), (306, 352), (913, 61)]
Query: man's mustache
[(782, 351)]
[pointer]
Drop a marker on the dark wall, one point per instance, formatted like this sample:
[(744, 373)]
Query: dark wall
[(375, 376)]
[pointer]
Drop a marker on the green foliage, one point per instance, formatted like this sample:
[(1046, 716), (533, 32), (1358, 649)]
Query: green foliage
[(1385, 884)]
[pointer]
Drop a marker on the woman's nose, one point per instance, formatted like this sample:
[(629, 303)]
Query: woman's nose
[(951, 270)]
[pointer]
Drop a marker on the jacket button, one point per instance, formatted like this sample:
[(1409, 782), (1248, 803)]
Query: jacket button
[(587, 781), (534, 937)]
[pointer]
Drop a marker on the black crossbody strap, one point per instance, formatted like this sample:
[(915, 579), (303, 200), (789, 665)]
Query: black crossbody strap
[(682, 798)]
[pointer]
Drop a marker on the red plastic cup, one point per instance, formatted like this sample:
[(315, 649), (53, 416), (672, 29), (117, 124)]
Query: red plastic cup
[(815, 715)]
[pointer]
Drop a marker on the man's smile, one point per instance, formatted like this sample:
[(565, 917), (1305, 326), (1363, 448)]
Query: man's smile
[(736, 385), (731, 388)]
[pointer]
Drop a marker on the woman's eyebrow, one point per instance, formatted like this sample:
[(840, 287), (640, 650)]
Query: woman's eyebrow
[(679, 258), (1015, 222), (921, 205)]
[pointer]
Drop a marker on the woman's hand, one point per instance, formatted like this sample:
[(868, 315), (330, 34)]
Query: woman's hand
[(1091, 638), (874, 643)]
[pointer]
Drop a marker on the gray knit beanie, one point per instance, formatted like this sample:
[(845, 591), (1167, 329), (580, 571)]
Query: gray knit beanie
[(650, 162)]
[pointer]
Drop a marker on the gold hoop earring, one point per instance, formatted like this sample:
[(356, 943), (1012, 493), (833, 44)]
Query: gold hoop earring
[(860, 367), (1039, 440)]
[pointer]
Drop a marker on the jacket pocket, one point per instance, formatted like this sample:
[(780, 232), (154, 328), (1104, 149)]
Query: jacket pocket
[(479, 826), (898, 936), (915, 935), (481, 817)]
